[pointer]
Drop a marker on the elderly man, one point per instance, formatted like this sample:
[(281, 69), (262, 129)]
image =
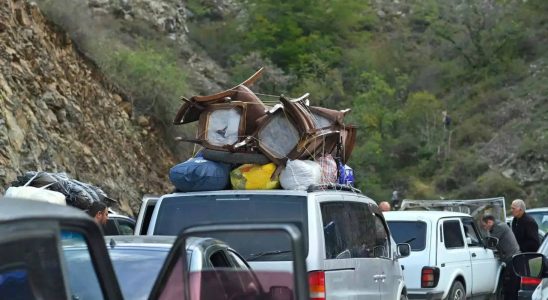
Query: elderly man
[(524, 227), (384, 206), (507, 247)]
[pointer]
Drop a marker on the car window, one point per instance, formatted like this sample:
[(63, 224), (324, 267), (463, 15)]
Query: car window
[(349, 230), (541, 218), (473, 237), (31, 269), (452, 234), (177, 213), (126, 227), (110, 227), (382, 244), (410, 232), (83, 281)]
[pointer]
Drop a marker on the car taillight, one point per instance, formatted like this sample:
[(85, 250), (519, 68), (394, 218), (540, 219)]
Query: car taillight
[(316, 283), (530, 281), (429, 277)]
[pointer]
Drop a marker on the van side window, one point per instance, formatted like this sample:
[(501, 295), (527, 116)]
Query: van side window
[(382, 246), (452, 234), (349, 230)]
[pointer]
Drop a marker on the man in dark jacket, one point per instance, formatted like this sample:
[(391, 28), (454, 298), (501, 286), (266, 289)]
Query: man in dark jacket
[(507, 247), (524, 227)]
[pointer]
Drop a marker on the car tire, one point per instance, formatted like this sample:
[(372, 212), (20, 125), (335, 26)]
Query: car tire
[(457, 291)]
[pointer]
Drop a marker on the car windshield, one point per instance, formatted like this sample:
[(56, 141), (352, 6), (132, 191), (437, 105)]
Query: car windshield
[(128, 263), (181, 212), (541, 217), (411, 232)]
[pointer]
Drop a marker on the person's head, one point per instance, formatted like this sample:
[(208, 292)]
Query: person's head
[(518, 208), (384, 206), (488, 221), (98, 211)]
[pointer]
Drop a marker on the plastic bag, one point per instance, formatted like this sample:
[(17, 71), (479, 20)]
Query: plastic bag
[(328, 167), (254, 177), (77, 194), (199, 174), (300, 174), (346, 175)]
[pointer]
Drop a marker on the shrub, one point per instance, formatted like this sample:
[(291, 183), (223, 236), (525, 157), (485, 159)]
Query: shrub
[(150, 75), (493, 184)]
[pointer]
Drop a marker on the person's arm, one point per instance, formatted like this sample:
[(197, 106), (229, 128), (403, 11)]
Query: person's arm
[(531, 236)]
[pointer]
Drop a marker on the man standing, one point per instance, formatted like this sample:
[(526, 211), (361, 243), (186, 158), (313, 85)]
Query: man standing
[(524, 227), (99, 212), (507, 247), (384, 206)]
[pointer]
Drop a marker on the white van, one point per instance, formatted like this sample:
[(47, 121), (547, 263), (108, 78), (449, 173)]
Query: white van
[(350, 254)]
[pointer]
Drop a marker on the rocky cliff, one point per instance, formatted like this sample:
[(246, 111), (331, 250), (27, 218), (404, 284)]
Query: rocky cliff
[(57, 114)]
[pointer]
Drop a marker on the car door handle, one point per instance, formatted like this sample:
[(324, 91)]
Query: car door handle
[(473, 254)]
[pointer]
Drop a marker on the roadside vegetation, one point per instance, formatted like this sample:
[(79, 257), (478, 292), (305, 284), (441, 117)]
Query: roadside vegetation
[(397, 65)]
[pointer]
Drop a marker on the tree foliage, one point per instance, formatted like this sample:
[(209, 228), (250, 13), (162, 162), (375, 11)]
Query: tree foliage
[(399, 65)]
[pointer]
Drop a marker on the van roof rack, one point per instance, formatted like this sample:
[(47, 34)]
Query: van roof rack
[(333, 186)]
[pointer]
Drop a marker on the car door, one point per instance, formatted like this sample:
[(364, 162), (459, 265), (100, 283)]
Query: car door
[(218, 277), (391, 273), (453, 256), (145, 214), (483, 261), (48, 251), (351, 269)]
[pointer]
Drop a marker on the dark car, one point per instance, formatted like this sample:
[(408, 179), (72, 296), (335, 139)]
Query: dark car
[(529, 284), (50, 251)]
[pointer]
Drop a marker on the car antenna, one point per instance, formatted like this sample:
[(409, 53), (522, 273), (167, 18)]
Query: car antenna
[(112, 243)]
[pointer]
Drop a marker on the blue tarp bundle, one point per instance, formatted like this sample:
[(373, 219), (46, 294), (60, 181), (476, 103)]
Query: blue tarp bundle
[(200, 174)]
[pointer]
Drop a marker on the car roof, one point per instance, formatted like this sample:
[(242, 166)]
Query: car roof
[(263, 192), (414, 215), (158, 242), (538, 209), (16, 209)]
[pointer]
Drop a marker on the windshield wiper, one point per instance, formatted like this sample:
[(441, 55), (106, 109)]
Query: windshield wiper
[(410, 240), (254, 256)]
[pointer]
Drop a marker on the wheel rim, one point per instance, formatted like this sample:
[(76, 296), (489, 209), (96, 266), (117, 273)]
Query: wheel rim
[(458, 295)]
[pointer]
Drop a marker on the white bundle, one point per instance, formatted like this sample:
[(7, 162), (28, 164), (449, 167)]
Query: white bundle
[(35, 194), (300, 174)]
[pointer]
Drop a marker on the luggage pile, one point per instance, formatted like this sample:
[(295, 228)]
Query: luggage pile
[(248, 144), (78, 194)]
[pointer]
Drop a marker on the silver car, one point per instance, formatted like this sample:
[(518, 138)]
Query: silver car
[(349, 251)]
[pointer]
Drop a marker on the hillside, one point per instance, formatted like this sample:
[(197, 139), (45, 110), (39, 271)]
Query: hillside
[(398, 64), (57, 114)]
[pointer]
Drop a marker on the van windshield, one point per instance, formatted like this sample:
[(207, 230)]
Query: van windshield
[(411, 232), (179, 212)]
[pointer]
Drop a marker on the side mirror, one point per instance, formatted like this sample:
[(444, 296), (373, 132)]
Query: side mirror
[(491, 242), (529, 265), (404, 250), (280, 293)]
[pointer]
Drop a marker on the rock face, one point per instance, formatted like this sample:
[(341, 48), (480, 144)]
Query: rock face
[(170, 18), (56, 115)]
